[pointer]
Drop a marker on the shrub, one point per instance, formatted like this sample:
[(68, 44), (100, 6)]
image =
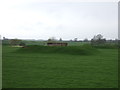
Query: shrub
[(22, 44)]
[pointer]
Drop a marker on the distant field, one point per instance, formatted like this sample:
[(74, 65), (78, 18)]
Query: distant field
[(45, 42), (58, 70), (27, 42)]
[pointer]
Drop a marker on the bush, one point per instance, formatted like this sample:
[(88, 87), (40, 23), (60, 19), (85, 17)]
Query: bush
[(98, 42), (22, 44)]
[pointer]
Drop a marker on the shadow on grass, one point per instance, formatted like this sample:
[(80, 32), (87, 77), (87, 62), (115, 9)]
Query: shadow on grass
[(72, 50)]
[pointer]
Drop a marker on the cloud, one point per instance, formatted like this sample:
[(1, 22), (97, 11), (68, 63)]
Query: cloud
[(32, 19)]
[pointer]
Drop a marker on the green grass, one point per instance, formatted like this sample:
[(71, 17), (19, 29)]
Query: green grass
[(70, 43), (72, 50), (57, 70)]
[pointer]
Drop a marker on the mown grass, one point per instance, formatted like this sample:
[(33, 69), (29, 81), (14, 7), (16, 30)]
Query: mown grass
[(106, 46), (44, 70), (70, 43), (72, 50)]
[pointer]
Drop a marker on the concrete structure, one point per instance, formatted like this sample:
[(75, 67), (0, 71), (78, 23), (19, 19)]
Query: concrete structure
[(57, 44)]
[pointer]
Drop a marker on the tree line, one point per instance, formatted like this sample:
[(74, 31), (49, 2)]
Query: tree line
[(96, 40)]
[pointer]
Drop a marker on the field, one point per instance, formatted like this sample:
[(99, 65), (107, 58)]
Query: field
[(36, 69), (27, 42)]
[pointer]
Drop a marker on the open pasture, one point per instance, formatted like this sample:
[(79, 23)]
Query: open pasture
[(23, 68)]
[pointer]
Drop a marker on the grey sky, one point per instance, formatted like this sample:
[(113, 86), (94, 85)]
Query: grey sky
[(36, 20)]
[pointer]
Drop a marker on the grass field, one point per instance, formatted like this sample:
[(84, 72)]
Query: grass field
[(28, 42), (58, 70)]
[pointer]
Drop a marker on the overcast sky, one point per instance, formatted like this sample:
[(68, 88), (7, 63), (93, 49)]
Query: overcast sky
[(31, 19)]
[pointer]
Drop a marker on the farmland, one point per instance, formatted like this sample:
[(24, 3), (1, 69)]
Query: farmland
[(33, 68)]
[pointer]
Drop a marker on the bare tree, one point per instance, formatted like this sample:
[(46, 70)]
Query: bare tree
[(97, 37), (60, 39), (85, 40), (75, 39), (98, 40), (52, 39)]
